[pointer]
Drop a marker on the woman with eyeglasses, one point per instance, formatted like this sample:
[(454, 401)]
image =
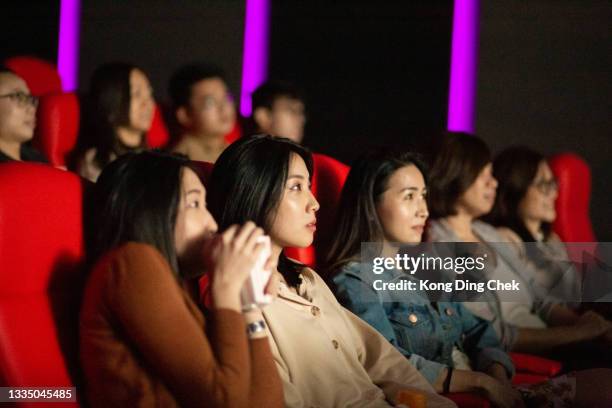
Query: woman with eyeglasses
[(17, 119), (462, 190), (118, 112), (384, 204), (523, 212)]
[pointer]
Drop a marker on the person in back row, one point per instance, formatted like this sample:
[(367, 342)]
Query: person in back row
[(326, 356), (17, 119), (143, 340), (117, 113), (278, 110), (384, 204), (204, 110)]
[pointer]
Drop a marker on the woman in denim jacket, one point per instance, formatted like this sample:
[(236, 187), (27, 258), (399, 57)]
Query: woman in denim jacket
[(383, 202)]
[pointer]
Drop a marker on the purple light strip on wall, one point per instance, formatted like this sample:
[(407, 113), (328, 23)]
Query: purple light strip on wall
[(68, 45), (255, 51), (463, 69)]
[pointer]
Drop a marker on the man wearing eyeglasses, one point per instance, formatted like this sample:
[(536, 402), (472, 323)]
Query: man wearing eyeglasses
[(204, 109), (17, 119)]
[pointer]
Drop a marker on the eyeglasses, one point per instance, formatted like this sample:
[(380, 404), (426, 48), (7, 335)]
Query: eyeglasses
[(547, 186), (23, 99), (210, 102)]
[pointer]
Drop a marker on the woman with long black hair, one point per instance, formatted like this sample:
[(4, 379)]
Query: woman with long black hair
[(118, 110), (143, 340), (384, 203), (326, 356)]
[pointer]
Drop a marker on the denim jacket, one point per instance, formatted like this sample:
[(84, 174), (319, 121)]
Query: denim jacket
[(422, 331)]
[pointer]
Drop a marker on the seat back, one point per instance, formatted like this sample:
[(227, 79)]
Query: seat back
[(41, 256), (158, 136), (40, 75), (234, 134), (573, 222), (57, 127)]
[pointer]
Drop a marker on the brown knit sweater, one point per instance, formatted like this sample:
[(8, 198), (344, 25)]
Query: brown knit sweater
[(143, 342)]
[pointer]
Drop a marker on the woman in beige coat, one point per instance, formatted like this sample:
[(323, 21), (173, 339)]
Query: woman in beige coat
[(326, 356)]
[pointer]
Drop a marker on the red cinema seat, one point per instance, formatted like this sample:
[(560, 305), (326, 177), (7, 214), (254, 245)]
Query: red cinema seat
[(57, 127), (327, 182), (41, 255), (573, 223), (158, 136), (40, 75), (533, 369), (234, 134)]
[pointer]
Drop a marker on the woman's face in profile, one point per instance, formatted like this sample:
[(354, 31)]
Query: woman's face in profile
[(142, 104), (538, 204), (295, 221), (479, 198), (193, 220), (402, 208)]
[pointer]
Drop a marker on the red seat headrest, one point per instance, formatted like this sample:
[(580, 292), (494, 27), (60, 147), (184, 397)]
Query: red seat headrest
[(41, 76), (573, 222), (58, 126), (158, 136)]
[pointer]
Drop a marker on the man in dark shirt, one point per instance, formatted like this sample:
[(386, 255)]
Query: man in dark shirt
[(17, 119), (278, 109)]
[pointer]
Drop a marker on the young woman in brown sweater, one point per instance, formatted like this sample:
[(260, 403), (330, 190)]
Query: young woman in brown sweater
[(143, 340)]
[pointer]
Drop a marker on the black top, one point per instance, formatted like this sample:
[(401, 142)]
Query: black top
[(28, 154)]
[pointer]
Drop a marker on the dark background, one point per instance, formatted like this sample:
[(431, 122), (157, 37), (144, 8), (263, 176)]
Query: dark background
[(545, 81), (375, 73)]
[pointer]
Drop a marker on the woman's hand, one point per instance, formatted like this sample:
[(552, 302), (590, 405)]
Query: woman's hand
[(498, 372), (230, 258), (592, 325), (500, 394)]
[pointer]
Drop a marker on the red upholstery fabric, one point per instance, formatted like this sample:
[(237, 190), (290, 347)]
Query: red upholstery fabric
[(329, 178), (526, 378), (327, 181), (41, 252), (40, 75), (57, 126), (303, 255), (573, 223), (158, 136), (527, 363), (234, 134)]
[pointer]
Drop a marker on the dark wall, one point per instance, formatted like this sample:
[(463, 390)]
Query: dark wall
[(160, 36), (373, 72), (29, 28), (545, 81)]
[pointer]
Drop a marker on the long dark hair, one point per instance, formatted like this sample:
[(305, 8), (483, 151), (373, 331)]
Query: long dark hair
[(136, 199), (458, 163), (515, 169), (357, 220), (247, 184), (106, 107)]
